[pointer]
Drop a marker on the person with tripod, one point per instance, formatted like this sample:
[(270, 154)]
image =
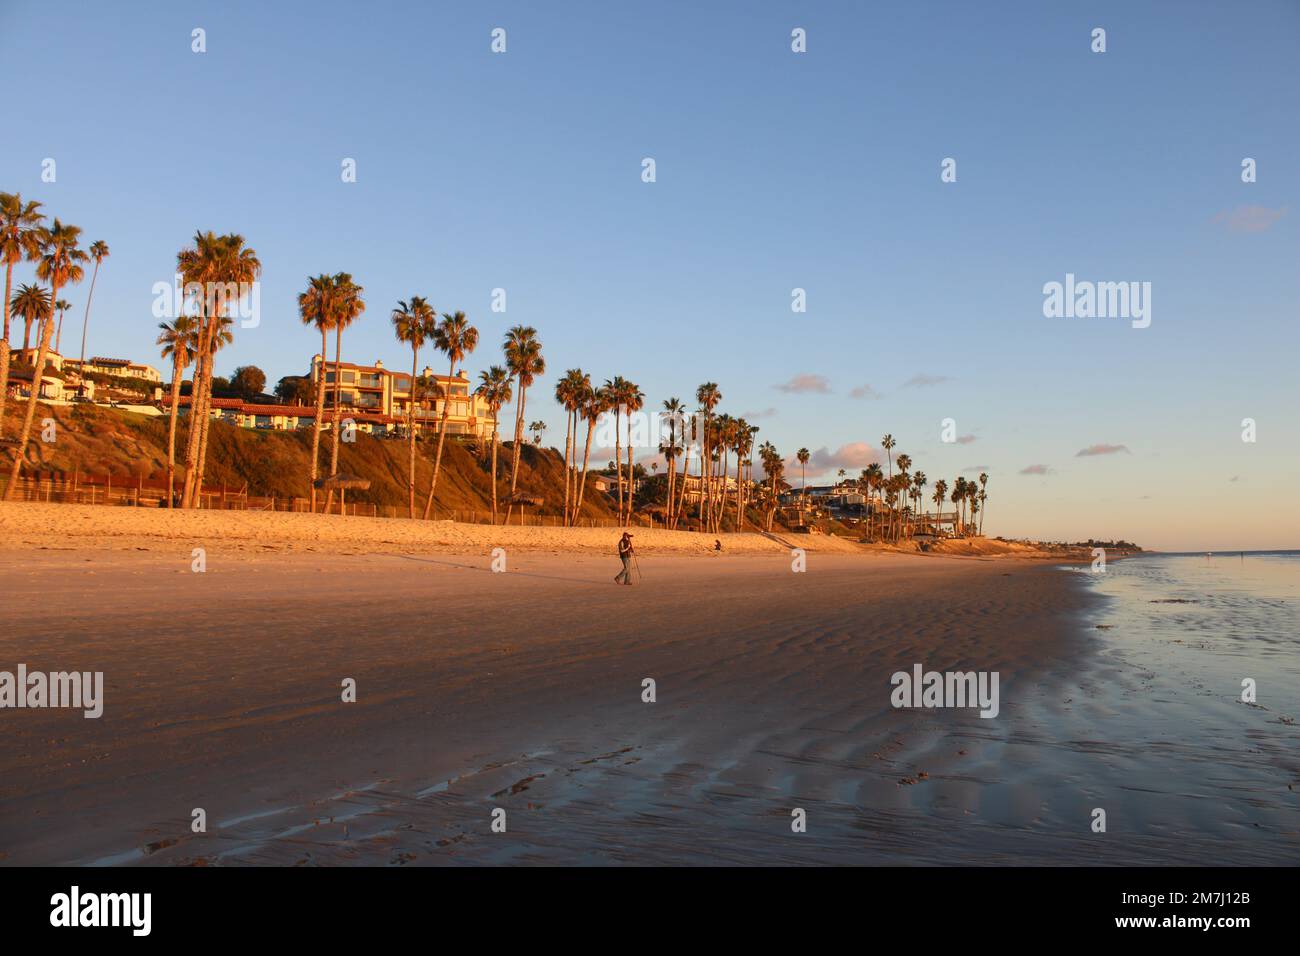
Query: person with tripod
[(626, 555)]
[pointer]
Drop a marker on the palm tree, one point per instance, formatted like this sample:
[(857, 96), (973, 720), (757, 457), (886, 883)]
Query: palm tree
[(31, 303), (898, 487), (633, 401), (581, 390), (455, 338), (197, 267), (46, 319), (348, 307), (724, 430), (708, 395), (414, 323), (20, 238), (875, 476), (593, 402), (904, 462), (61, 307), (958, 500), (215, 264), (919, 481), (495, 388), (523, 354), (802, 455), (98, 252), (940, 491), (315, 308), (615, 390), (887, 443), (59, 264), (744, 446), (239, 267), (60, 259), (984, 480), (671, 449), (568, 392), (537, 428), (177, 339), (774, 466), (689, 442)]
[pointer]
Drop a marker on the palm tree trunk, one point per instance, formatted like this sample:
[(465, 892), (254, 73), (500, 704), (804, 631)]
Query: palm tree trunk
[(38, 370), (442, 437), (706, 483), (495, 442), (631, 475), (720, 507), (582, 478), (668, 485), (740, 470), (681, 486), (618, 460), (58, 335), (568, 469), (515, 452), (207, 424), (177, 371), (4, 347), (320, 414), (86, 321), (201, 362), (410, 436), (338, 395)]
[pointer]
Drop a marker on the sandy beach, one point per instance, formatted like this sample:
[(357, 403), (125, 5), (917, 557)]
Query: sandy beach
[(27, 525), (523, 691), (33, 525)]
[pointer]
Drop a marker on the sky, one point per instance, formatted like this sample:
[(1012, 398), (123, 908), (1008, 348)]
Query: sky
[(774, 171)]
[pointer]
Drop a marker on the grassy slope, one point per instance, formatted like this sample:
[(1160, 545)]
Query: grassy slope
[(103, 440)]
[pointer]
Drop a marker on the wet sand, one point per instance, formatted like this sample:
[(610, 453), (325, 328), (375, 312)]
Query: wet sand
[(523, 691)]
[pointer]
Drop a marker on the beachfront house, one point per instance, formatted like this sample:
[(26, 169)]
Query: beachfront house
[(379, 399)]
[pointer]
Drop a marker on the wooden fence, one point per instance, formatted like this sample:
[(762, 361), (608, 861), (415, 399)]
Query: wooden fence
[(141, 492)]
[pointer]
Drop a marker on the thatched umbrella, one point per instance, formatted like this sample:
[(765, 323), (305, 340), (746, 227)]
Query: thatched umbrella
[(342, 482), (651, 510), (521, 499)]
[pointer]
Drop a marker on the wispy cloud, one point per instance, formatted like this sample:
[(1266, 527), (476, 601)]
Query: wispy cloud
[(1250, 218), (921, 380), (1102, 449), (1036, 470), (806, 382), (864, 391), (760, 413), (965, 439)]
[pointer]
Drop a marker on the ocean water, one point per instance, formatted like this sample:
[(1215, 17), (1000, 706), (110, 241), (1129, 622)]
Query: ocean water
[(1217, 619), (1183, 751)]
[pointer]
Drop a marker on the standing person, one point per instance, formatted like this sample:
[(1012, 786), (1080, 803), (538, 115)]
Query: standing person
[(625, 553)]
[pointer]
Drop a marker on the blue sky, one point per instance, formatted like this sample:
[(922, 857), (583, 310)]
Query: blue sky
[(775, 170)]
